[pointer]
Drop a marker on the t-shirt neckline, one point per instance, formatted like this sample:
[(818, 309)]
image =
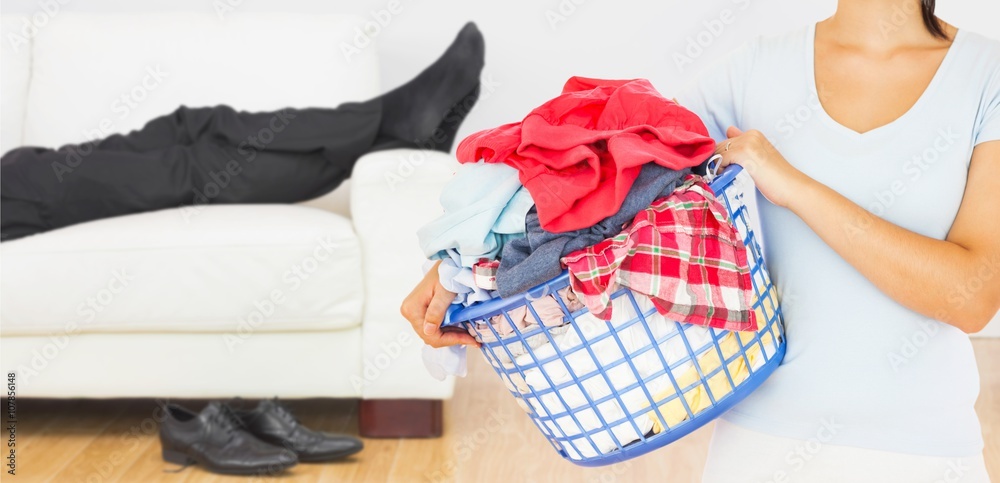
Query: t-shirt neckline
[(928, 93)]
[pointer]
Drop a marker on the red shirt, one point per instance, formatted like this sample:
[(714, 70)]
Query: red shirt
[(578, 154)]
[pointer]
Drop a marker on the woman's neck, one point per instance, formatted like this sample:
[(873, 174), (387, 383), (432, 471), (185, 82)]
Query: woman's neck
[(880, 25)]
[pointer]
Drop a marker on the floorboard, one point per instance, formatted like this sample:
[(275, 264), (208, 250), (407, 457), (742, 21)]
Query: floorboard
[(487, 438)]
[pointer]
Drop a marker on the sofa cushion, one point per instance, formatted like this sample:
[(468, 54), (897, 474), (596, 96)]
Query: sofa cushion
[(232, 269), (15, 69)]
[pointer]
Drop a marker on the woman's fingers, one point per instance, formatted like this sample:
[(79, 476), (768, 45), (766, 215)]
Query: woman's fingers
[(436, 309), (435, 336), (457, 337), (725, 149), (425, 308), (730, 148)]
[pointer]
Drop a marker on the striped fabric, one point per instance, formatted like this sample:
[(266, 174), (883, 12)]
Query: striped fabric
[(682, 252)]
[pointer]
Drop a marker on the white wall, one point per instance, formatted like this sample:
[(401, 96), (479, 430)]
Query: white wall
[(528, 56), (533, 46)]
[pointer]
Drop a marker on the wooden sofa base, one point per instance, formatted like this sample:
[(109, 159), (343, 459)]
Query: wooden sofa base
[(400, 418)]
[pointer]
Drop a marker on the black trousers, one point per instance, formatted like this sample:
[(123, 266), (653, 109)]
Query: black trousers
[(192, 156)]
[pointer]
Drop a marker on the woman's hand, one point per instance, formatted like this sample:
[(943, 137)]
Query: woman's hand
[(771, 173), (425, 308)]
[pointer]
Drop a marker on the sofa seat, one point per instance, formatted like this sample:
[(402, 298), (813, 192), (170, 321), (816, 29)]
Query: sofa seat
[(229, 269)]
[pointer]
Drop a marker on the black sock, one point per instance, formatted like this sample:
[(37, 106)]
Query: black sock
[(430, 108)]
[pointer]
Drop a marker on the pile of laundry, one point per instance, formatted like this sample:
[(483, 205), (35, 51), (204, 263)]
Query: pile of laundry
[(599, 182)]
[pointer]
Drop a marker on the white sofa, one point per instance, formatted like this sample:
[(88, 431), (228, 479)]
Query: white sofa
[(213, 301)]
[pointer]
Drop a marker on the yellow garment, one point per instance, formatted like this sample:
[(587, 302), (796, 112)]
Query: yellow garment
[(697, 398)]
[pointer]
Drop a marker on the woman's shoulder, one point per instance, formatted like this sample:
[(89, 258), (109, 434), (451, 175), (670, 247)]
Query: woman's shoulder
[(791, 41), (982, 42), (978, 64), (775, 51), (980, 49)]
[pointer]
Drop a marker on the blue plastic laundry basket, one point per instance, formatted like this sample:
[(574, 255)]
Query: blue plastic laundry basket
[(597, 411)]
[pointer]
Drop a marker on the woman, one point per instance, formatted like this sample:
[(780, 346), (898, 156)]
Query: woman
[(876, 149)]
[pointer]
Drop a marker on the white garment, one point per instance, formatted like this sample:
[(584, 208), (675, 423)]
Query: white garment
[(896, 380), (458, 279), (512, 346), (484, 207), (740, 455), (442, 362)]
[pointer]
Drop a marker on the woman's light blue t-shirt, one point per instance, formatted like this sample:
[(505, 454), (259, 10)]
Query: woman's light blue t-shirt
[(859, 365)]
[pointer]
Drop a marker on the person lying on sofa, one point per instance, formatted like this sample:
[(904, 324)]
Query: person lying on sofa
[(265, 157)]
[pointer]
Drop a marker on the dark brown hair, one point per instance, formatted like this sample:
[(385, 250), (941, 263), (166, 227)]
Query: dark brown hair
[(930, 21)]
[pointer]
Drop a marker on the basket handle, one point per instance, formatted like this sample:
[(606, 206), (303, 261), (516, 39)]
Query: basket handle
[(719, 179), (448, 322), (712, 167)]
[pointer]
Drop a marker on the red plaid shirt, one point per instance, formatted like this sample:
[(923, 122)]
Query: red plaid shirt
[(683, 253)]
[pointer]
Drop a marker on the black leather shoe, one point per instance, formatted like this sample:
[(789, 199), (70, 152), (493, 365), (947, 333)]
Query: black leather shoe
[(272, 422), (215, 440)]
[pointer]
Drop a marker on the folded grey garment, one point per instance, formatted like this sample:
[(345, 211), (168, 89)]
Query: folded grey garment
[(533, 260)]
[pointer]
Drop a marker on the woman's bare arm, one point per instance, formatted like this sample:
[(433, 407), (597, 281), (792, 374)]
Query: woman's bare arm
[(956, 281)]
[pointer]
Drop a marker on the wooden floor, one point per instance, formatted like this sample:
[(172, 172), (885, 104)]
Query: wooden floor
[(488, 438)]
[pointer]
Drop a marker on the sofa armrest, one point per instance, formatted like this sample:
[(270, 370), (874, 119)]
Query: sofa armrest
[(393, 193)]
